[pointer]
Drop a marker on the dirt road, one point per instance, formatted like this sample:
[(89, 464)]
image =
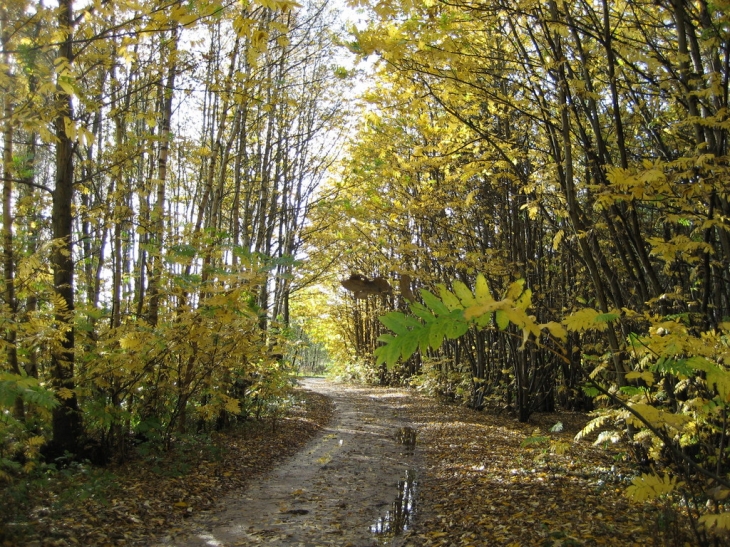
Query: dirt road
[(354, 485)]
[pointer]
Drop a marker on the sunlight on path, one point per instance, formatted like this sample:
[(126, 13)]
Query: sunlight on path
[(353, 485)]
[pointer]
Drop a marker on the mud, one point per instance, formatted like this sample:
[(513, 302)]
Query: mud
[(354, 485)]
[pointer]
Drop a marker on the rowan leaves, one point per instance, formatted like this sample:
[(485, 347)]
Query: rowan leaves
[(450, 317), (651, 486)]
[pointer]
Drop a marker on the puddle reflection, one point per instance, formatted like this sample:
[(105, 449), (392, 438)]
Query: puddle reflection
[(398, 519), (406, 436)]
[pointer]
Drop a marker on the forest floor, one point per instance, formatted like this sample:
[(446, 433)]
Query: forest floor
[(363, 466)]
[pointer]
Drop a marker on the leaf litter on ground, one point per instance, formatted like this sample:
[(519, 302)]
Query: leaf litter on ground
[(144, 498), (487, 480), (484, 485)]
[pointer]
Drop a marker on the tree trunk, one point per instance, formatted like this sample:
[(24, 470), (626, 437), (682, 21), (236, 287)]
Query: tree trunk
[(8, 258), (67, 426)]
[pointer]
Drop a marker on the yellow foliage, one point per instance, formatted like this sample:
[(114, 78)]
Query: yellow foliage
[(656, 417), (720, 521), (651, 486), (592, 426), (582, 320), (481, 291), (647, 376), (64, 393)]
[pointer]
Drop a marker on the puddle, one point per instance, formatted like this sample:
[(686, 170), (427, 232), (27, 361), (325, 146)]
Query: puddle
[(398, 519), (407, 437)]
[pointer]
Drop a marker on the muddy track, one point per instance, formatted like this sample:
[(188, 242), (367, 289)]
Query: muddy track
[(353, 485)]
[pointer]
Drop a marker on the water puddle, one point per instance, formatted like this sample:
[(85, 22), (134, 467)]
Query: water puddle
[(407, 437), (398, 519)]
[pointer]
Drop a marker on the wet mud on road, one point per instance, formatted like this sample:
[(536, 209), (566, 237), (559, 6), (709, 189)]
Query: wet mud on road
[(355, 484)]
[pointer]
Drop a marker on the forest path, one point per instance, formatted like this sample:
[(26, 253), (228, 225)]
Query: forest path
[(352, 485)]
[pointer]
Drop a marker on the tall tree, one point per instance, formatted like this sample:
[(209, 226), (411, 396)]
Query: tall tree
[(67, 423)]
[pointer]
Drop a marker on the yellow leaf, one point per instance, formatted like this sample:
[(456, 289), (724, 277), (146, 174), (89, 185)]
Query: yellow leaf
[(480, 309), (287, 5), (129, 342), (481, 292), (651, 486), (64, 84), (69, 127), (715, 376), (647, 376), (515, 289), (232, 405), (556, 330), (557, 239), (38, 440), (525, 300), (656, 417), (185, 20), (583, 320), (720, 522), (65, 393), (259, 39)]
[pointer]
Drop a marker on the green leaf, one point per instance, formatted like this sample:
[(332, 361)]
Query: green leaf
[(395, 321), (673, 366), (425, 338), (434, 303), (388, 353), (605, 317), (715, 376), (501, 319), (448, 298), (484, 320), (464, 294), (422, 311), (27, 388), (437, 333), (534, 440), (409, 344), (457, 326), (386, 338)]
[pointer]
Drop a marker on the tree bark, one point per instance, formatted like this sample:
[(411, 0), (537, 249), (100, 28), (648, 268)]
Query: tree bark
[(8, 258), (67, 426)]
